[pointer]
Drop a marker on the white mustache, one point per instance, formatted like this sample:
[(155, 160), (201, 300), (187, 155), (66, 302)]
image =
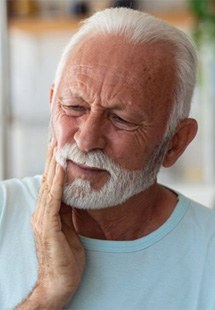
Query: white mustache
[(94, 159)]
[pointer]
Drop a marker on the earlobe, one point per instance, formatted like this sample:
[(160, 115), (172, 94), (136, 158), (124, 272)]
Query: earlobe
[(51, 94), (185, 133)]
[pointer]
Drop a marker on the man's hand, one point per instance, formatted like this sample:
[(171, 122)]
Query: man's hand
[(60, 253)]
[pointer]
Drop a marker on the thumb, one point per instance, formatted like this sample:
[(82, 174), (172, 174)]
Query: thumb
[(68, 227)]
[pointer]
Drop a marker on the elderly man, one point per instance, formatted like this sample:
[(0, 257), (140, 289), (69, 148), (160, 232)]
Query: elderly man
[(107, 235)]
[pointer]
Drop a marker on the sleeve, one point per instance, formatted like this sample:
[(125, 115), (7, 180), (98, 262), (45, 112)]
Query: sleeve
[(17, 200)]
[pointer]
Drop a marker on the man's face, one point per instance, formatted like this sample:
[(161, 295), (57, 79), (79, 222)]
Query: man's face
[(115, 98)]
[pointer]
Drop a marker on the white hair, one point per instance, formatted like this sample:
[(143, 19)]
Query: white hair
[(138, 27)]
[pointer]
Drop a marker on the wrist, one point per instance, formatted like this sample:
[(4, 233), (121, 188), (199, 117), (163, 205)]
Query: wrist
[(41, 298)]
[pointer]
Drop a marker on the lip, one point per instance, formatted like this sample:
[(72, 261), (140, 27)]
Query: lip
[(87, 168)]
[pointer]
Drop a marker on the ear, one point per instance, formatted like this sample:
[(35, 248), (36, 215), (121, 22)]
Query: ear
[(51, 92), (185, 133)]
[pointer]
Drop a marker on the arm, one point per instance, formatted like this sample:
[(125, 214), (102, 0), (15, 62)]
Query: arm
[(60, 253)]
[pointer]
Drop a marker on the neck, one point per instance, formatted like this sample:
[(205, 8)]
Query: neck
[(137, 217)]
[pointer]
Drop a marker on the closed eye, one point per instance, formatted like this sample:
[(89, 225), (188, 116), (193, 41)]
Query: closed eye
[(73, 109), (121, 123), (118, 119)]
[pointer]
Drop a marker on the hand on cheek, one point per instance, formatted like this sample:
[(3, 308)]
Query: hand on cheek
[(60, 253)]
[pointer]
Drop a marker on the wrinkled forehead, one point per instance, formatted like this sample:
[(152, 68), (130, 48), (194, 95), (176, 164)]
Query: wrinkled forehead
[(74, 74), (148, 70), (117, 53)]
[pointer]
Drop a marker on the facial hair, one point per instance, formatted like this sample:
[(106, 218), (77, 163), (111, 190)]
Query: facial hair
[(121, 185)]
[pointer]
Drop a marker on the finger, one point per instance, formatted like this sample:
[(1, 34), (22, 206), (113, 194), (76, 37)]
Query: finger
[(44, 177), (41, 200), (54, 198), (66, 213), (51, 169), (47, 180), (51, 148), (47, 200), (58, 182), (68, 228), (50, 196)]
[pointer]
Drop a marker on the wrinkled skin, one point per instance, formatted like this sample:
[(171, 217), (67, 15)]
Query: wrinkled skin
[(126, 85), (60, 254)]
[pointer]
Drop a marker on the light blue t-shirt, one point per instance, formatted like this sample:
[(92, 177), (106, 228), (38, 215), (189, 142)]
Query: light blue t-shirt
[(173, 268)]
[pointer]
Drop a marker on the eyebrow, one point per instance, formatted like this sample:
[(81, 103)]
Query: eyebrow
[(117, 105), (76, 93), (73, 93), (120, 104)]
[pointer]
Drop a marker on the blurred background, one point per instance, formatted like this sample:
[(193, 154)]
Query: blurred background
[(32, 36)]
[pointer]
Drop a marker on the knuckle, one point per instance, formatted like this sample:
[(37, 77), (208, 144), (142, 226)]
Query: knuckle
[(47, 187), (44, 178), (50, 198)]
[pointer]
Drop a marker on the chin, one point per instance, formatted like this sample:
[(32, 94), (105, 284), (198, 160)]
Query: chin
[(79, 194)]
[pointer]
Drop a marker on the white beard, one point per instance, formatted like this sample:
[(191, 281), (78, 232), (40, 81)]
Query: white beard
[(121, 185)]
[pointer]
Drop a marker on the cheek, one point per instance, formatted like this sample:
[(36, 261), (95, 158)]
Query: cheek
[(64, 129), (128, 151)]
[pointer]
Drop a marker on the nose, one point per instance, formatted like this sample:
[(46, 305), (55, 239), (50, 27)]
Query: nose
[(90, 135)]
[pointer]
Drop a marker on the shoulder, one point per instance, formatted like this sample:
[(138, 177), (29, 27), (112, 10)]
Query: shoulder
[(26, 186), (18, 193), (197, 209), (199, 219), (18, 263)]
